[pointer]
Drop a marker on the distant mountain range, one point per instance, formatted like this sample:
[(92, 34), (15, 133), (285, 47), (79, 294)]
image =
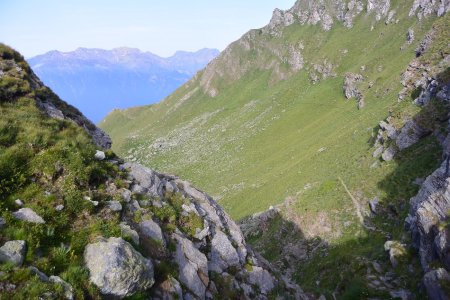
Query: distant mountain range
[(97, 80)]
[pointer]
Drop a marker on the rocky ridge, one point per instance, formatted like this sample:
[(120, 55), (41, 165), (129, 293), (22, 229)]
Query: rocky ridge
[(173, 242)]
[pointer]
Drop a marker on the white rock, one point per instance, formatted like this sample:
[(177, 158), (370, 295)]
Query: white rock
[(100, 155), (28, 215)]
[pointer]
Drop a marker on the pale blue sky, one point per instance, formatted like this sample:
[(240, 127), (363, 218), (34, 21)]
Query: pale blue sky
[(160, 26)]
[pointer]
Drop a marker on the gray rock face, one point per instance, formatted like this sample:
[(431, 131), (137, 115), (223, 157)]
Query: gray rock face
[(117, 269), (422, 8), (223, 254), (68, 290), (433, 282), (150, 229), (262, 279), (410, 134), (13, 252), (193, 266), (28, 215)]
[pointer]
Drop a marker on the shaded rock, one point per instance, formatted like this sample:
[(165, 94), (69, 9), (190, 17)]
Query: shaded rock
[(13, 252), (126, 195), (28, 215), (262, 279), (442, 246), (433, 282), (38, 273), (150, 229), (2, 223), (223, 254), (389, 154), (127, 231), (374, 205), (117, 269), (114, 205), (193, 266), (170, 289), (401, 294), (68, 290), (99, 155)]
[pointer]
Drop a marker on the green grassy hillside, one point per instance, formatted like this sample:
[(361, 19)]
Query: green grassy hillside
[(257, 142)]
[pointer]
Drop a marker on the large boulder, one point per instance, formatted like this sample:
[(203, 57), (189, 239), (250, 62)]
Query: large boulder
[(28, 215), (223, 254), (13, 252), (117, 269)]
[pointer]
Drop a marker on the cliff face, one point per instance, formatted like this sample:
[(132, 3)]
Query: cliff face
[(77, 222)]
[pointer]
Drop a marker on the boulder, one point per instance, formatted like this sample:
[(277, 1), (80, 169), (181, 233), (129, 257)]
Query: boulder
[(99, 155), (150, 229), (117, 269), (193, 266), (38, 273), (223, 254), (114, 205), (28, 215), (13, 252), (262, 278)]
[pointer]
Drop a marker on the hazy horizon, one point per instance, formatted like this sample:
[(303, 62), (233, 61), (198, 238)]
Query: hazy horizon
[(36, 27)]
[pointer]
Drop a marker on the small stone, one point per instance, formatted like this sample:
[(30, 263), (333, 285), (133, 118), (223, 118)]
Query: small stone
[(114, 205), (59, 207), (14, 252), (126, 195), (28, 215), (68, 290), (374, 205), (2, 223), (100, 155), (19, 202)]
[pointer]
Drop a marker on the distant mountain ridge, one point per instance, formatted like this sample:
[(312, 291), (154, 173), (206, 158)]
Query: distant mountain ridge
[(117, 78)]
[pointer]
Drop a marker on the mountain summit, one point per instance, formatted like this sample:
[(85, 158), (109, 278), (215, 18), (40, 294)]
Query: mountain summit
[(97, 80)]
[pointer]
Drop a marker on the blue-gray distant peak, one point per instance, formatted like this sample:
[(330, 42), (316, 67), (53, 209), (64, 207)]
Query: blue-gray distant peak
[(98, 80)]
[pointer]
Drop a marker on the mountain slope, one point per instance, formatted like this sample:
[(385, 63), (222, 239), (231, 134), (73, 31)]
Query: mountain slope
[(76, 222), (97, 80), (268, 123)]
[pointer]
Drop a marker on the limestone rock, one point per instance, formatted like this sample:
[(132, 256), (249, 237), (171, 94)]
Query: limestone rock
[(68, 290), (396, 251), (223, 254), (150, 229), (410, 134), (433, 282), (114, 205), (100, 155), (117, 269), (127, 231), (28, 215), (193, 266), (14, 252), (389, 154), (262, 279)]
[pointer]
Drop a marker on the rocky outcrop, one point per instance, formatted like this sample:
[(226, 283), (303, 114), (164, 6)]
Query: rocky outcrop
[(351, 89), (423, 8), (117, 269), (211, 249)]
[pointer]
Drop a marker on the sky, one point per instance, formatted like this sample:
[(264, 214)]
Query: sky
[(36, 26)]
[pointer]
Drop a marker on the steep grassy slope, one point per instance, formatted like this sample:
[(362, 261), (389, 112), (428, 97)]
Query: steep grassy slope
[(257, 142), (262, 125)]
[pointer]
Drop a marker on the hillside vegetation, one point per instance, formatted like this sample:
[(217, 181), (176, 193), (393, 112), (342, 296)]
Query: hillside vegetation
[(267, 124)]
